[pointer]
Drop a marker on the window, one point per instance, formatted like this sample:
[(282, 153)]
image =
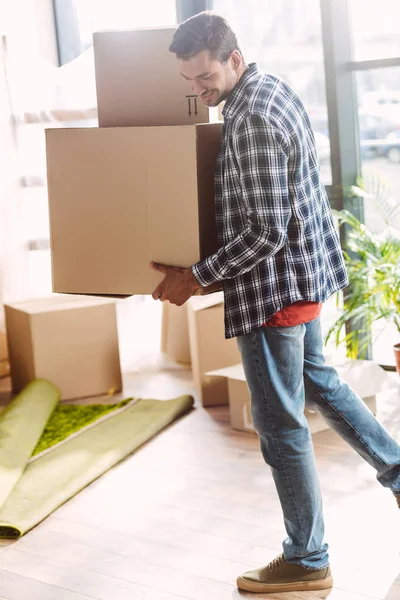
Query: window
[(379, 125), (285, 38), (93, 15), (378, 93), (375, 28)]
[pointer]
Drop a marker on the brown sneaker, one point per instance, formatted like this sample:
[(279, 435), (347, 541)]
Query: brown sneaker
[(281, 576), (397, 496)]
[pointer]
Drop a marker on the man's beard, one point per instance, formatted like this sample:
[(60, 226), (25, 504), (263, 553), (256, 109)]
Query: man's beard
[(219, 97)]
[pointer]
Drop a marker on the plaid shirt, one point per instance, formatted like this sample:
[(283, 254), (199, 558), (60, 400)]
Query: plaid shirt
[(278, 239)]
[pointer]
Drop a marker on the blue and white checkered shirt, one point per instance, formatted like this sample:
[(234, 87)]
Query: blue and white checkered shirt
[(278, 240)]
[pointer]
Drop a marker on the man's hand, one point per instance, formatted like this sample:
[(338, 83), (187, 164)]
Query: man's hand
[(178, 285)]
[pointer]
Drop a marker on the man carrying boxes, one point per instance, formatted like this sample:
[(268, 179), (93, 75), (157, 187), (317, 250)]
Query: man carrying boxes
[(123, 196), (279, 260)]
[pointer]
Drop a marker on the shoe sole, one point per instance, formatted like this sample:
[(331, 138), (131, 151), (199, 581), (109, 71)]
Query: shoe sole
[(297, 586)]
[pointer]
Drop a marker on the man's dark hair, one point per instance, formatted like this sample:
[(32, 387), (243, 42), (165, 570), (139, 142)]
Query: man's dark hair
[(205, 31)]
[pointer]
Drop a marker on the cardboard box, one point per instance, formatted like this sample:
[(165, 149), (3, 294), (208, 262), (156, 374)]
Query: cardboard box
[(209, 349), (138, 81), (69, 340), (4, 365), (121, 197), (366, 378), (3, 347), (175, 332)]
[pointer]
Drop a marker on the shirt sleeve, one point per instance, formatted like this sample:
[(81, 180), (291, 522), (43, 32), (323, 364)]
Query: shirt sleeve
[(261, 153)]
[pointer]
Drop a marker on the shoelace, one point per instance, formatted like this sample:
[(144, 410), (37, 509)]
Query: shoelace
[(279, 561)]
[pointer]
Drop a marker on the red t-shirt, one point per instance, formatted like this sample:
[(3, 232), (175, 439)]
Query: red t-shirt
[(295, 314)]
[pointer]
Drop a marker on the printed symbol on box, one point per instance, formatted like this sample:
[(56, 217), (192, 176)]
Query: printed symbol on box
[(190, 105)]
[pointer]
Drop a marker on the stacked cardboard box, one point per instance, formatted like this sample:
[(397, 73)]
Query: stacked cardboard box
[(138, 82), (140, 186)]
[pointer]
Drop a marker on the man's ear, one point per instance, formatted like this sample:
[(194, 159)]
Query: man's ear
[(236, 59)]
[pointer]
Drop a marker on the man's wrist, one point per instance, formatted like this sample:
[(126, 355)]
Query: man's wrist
[(196, 286)]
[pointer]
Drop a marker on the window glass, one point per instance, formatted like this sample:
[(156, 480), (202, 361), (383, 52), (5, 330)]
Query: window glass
[(95, 15), (375, 28), (379, 125), (285, 38)]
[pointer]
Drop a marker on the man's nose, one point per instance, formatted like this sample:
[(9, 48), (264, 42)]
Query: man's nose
[(197, 88)]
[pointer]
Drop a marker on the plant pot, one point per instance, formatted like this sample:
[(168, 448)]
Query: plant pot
[(396, 349)]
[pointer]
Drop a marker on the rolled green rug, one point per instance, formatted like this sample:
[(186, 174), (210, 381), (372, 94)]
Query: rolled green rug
[(54, 476), (21, 425)]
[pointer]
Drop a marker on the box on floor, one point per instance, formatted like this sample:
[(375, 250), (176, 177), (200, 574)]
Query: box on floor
[(3, 346), (71, 341), (138, 81), (4, 365), (175, 332), (209, 349), (365, 377), (122, 197)]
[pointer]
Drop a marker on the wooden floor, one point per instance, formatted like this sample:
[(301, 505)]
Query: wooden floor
[(195, 507)]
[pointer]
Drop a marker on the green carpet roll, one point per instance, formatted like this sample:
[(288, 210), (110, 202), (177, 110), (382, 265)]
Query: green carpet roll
[(55, 476), (21, 425)]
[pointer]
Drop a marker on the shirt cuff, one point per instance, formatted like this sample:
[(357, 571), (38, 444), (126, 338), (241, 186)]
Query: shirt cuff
[(206, 272)]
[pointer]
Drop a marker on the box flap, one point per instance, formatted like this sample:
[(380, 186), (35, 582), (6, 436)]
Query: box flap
[(363, 376), (233, 372)]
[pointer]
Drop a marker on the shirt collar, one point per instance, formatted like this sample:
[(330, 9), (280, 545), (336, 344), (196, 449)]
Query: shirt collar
[(236, 95)]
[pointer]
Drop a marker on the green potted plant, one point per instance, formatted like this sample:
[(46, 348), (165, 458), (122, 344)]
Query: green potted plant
[(372, 259)]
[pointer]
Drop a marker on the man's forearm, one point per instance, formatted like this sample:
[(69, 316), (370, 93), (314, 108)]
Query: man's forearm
[(240, 256)]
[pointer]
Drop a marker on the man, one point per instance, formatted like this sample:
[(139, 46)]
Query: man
[(279, 260)]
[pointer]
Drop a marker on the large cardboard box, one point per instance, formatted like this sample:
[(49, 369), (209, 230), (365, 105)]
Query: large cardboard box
[(121, 197), (365, 377), (138, 81), (70, 340), (175, 332), (209, 349)]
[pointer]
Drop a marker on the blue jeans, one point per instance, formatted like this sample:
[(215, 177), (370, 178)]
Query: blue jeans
[(285, 370)]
